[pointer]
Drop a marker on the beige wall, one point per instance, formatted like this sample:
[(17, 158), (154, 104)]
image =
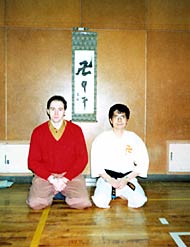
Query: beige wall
[(143, 60)]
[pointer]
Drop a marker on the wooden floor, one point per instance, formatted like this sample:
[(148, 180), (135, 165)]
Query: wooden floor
[(163, 221)]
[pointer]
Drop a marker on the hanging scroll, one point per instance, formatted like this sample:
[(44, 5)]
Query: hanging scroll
[(84, 76)]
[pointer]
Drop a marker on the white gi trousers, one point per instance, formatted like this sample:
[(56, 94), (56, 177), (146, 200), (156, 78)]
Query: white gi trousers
[(102, 194)]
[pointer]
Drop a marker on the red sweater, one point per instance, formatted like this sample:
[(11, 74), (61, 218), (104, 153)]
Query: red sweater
[(47, 155)]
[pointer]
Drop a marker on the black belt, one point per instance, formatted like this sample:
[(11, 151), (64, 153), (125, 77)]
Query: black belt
[(118, 175)]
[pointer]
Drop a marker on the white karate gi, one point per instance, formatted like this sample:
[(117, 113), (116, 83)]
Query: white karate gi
[(119, 154)]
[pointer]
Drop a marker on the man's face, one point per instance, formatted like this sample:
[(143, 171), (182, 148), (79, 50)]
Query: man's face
[(56, 111), (119, 120)]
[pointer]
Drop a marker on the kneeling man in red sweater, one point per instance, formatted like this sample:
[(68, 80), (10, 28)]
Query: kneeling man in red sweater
[(57, 157)]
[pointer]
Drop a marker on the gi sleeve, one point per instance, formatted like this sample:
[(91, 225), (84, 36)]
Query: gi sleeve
[(141, 158), (97, 157)]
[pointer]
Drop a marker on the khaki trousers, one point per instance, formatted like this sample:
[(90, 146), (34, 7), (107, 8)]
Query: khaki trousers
[(41, 193)]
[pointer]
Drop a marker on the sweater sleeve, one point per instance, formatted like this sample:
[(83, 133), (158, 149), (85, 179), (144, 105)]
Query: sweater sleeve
[(35, 161), (81, 155)]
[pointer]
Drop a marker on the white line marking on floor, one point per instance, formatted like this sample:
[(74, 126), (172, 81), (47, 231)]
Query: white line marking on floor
[(177, 239), (163, 221)]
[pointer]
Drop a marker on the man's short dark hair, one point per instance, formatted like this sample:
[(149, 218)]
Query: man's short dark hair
[(57, 98), (121, 109)]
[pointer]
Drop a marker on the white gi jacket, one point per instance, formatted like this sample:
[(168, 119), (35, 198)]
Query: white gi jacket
[(119, 154)]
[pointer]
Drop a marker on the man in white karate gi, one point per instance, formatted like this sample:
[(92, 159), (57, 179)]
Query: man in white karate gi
[(118, 157)]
